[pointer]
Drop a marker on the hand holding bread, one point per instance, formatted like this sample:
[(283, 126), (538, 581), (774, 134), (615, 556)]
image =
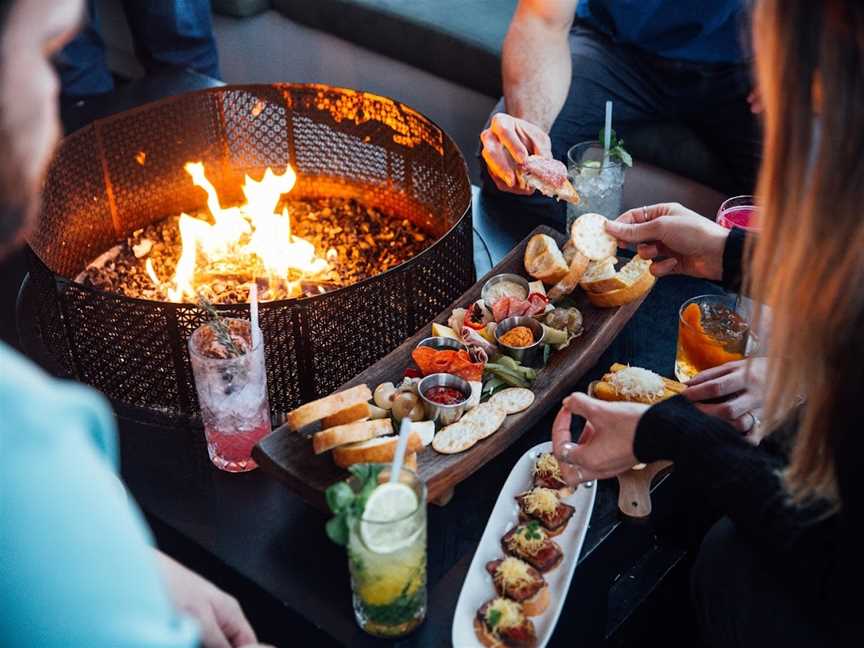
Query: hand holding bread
[(588, 259), (691, 244)]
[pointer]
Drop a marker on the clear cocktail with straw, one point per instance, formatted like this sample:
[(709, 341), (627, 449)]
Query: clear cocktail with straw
[(597, 170)]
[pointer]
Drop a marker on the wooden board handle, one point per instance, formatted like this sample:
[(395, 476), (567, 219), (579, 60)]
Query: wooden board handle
[(634, 489)]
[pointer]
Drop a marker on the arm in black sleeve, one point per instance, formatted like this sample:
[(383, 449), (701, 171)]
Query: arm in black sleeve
[(811, 548), (733, 259)]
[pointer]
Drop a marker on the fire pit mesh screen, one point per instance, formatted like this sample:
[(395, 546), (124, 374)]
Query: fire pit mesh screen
[(126, 172)]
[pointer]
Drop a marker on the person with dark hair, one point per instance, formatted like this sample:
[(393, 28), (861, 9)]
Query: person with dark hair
[(657, 60), (783, 568), (78, 567), (166, 34)]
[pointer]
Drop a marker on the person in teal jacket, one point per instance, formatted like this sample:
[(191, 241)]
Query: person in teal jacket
[(77, 563)]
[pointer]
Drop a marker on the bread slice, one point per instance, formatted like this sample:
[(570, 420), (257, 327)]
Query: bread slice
[(327, 406), (537, 604), (614, 298), (543, 259), (601, 276), (358, 412), (411, 461), (589, 235), (377, 450), (350, 433), (569, 282)]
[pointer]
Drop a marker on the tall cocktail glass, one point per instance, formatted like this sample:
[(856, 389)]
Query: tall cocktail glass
[(232, 392), (597, 178), (387, 557)]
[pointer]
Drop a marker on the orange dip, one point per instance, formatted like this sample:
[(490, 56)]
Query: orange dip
[(518, 336), (701, 350)]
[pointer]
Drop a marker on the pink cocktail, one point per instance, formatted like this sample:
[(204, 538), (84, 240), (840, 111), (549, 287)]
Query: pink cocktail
[(739, 211), (231, 382)]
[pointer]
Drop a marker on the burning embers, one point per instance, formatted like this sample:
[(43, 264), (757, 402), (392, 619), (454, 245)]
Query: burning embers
[(291, 248)]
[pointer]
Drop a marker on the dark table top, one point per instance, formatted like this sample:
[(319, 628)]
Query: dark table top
[(254, 527)]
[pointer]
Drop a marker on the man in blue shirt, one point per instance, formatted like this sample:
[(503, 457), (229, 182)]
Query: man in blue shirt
[(657, 60), (77, 565)]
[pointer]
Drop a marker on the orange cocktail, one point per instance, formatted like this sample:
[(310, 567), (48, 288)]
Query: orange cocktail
[(710, 333)]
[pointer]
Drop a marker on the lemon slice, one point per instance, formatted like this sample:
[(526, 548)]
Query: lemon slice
[(387, 523)]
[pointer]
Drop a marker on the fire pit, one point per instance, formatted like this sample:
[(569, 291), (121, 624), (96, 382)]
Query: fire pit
[(350, 211)]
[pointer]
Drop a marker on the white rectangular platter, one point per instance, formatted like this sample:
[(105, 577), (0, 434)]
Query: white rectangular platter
[(477, 588)]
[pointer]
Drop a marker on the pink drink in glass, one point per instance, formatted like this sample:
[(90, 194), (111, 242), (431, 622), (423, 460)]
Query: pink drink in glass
[(232, 392), (739, 211)]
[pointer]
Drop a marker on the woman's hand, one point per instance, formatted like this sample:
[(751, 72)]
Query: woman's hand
[(605, 448), (222, 622), (691, 244), (742, 386), (507, 143)]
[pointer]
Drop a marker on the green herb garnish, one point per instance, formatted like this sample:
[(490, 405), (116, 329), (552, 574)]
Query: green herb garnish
[(348, 505), (219, 327), (616, 147), (532, 530), (493, 618)]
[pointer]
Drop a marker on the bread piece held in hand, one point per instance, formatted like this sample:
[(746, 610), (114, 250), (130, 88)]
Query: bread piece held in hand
[(589, 235), (549, 177)]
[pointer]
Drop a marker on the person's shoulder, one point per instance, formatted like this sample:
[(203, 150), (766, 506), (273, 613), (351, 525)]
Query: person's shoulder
[(37, 408)]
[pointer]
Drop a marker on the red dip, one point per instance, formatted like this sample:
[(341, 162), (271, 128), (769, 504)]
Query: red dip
[(445, 395)]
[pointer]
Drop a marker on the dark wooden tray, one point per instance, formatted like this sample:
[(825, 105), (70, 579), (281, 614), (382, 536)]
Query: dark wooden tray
[(288, 455)]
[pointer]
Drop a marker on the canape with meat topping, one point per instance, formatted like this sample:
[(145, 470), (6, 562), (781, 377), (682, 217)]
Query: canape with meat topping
[(547, 473), (501, 623), (517, 580), (544, 505), (531, 543)]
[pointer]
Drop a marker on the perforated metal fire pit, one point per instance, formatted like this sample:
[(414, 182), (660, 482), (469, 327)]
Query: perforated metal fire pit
[(342, 143)]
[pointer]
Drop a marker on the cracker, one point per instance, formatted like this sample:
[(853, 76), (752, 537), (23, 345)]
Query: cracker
[(589, 235), (453, 439), (485, 419), (513, 399)]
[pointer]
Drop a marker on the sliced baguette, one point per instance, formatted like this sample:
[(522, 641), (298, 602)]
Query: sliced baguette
[(601, 276), (411, 462), (327, 406), (358, 412), (350, 433), (669, 384), (377, 450), (543, 259), (615, 298), (568, 283), (589, 235)]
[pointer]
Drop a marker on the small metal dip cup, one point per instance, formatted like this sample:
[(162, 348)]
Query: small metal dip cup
[(444, 414), (484, 293), (529, 356), (442, 344)]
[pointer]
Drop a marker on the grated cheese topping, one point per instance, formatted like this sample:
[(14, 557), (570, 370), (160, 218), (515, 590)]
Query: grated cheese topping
[(513, 572), (634, 381), (509, 614), (548, 464), (528, 540), (540, 501)]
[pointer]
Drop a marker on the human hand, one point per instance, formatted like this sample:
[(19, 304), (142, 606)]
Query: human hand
[(605, 448), (219, 615), (755, 101), (691, 244), (742, 384), (507, 143)]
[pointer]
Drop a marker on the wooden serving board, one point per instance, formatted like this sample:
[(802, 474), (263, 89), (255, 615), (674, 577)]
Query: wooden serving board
[(288, 455)]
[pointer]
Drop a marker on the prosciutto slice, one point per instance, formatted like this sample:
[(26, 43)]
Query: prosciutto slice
[(549, 177)]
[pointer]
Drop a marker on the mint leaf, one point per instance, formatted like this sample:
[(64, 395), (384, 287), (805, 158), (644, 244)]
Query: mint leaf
[(339, 497), (493, 618), (368, 474), (613, 140), (616, 147), (337, 529), (622, 155)]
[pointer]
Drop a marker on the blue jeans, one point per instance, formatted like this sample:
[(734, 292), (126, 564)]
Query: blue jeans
[(167, 34)]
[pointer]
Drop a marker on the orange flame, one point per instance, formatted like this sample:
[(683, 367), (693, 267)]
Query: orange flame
[(251, 236)]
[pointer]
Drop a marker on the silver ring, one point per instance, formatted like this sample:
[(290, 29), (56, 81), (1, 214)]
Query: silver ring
[(755, 421), (644, 213)]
